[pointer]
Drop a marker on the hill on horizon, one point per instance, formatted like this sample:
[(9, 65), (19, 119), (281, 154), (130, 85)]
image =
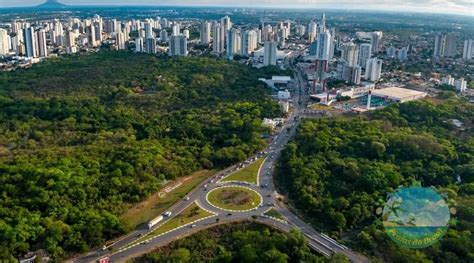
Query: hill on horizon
[(51, 4)]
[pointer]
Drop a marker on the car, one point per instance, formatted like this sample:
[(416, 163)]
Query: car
[(229, 214), (269, 195), (193, 226), (205, 186), (186, 198), (168, 213), (212, 181)]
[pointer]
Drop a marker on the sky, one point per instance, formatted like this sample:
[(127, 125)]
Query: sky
[(464, 7)]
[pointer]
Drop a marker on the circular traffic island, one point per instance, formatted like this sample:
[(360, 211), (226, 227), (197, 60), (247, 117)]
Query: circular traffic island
[(234, 198)]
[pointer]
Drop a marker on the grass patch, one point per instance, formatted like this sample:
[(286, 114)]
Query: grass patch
[(155, 205), (272, 212), (247, 174), (191, 213), (234, 198)]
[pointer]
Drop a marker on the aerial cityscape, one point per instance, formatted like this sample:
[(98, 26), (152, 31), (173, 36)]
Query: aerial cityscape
[(216, 131)]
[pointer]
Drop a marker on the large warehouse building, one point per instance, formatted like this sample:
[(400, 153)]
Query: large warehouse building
[(398, 94)]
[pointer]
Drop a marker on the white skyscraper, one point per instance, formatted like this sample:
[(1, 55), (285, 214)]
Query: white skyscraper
[(150, 45), (178, 46), (120, 41), (373, 69), (365, 51), (70, 40), (270, 53), (176, 29), (139, 46), (186, 33), (468, 49), (312, 31), (226, 25), (391, 52), (4, 42), (42, 48), (376, 40), (148, 29), (323, 46), (403, 53), (350, 53), (233, 43), (300, 30), (217, 46), (439, 45), (163, 36), (205, 33), (30, 42), (248, 42), (451, 45), (460, 85)]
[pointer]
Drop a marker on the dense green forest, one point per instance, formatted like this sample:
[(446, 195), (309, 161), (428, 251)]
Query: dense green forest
[(244, 242), (338, 172), (82, 137)]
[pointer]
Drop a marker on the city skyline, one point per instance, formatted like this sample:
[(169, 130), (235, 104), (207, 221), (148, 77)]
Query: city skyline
[(460, 7)]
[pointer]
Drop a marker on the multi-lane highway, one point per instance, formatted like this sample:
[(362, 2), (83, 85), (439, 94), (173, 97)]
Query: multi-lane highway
[(126, 248)]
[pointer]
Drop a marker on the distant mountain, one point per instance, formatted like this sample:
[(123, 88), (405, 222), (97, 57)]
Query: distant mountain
[(51, 4)]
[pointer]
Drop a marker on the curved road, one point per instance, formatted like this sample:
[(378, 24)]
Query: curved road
[(122, 250)]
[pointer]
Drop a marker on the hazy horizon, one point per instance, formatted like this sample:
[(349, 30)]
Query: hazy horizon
[(460, 7)]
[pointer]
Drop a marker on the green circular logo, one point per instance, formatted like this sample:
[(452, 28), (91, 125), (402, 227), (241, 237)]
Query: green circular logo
[(416, 217)]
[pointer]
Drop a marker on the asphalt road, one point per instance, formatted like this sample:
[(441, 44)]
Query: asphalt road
[(122, 250)]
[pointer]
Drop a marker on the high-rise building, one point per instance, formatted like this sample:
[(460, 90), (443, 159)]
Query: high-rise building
[(403, 53), (205, 33), (365, 51), (71, 46), (148, 25), (376, 40), (445, 45), (351, 74), (323, 46), (439, 45), (217, 46), (232, 46), (248, 42), (226, 25), (176, 29), (150, 45), (4, 42), (270, 53), (178, 46), (451, 45), (186, 33), (312, 31), (468, 49), (350, 53), (42, 47), (163, 36), (300, 30), (391, 52), (313, 48), (373, 69), (460, 85), (139, 47), (120, 41), (30, 42)]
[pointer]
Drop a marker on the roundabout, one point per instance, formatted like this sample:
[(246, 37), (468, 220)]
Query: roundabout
[(234, 198)]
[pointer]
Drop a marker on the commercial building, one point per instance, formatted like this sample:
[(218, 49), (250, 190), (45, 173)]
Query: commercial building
[(396, 94)]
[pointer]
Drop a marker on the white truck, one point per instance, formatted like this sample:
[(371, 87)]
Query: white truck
[(154, 221)]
